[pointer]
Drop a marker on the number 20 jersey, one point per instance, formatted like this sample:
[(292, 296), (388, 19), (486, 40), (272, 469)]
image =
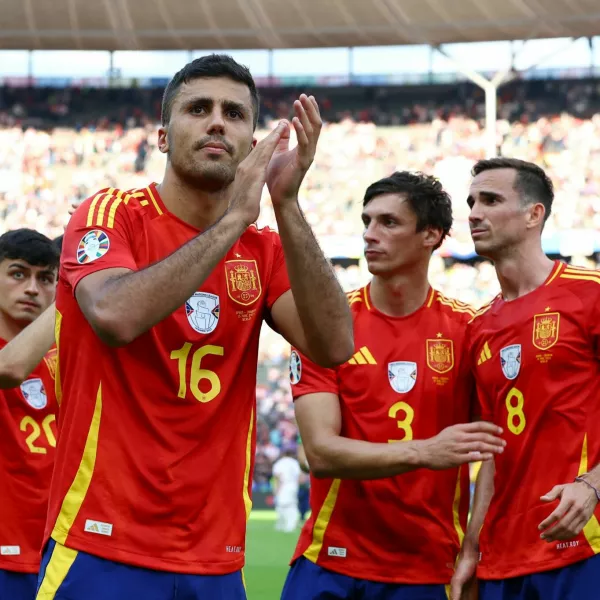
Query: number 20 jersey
[(156, 440), (537, 371), (27, 450), (407, 380)]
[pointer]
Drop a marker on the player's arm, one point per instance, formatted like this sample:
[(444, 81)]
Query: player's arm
[(121, 304), (302, 460), (314, 316), (25, 351), (332, 455), (463, 580)]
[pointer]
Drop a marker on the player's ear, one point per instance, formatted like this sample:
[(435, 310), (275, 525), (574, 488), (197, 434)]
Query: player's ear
[(253, 144), (535, 215), (431, 236), (163, 139)]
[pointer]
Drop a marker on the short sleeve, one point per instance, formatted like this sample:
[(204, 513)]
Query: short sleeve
[(279, 282), (481, 409), (308, 378), (98, 237)]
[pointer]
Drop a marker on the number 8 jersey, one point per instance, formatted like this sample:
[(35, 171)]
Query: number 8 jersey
[(156, 441), (537, 370)]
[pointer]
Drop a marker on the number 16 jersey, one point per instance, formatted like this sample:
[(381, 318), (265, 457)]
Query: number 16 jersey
[(537, 372), (156, 438)]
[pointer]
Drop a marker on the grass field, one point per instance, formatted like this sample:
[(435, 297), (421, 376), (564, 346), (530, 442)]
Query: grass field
[(268, 553)]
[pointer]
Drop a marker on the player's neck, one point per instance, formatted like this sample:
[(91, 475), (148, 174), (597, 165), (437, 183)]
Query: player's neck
[(521, 271), (9, 328), (401, 294), (194, 206)]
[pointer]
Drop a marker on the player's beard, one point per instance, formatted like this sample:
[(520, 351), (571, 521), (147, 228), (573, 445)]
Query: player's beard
[(210, 175)]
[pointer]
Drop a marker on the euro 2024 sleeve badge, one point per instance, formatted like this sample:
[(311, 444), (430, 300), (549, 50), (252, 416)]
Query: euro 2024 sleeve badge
[(93, 245)]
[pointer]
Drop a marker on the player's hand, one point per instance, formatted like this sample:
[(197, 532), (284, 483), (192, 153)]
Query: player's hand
[(464, 583), (464, 443), (74, 206), (576, 507), (288, 167), (251, 175)]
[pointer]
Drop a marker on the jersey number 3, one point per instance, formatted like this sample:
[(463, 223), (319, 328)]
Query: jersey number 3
[(197, 373), (404, 424)]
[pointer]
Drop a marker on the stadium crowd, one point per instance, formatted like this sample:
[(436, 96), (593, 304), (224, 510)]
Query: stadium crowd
[(44, 169)]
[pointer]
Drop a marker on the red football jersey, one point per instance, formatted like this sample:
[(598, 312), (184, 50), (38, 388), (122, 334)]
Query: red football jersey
[(538, 377), (157, 438), (27, 450), (407, 380)]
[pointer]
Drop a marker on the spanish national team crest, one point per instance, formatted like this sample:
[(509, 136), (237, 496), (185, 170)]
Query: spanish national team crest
[(440, 355), (93, 245), (33, 391), (202, 311), (295, 367), (51, 359), (545, 330), (402, 376), (510, 360), (243, 281)]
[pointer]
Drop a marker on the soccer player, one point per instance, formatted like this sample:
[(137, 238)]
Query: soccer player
[(28, 269), (286, 473), (385, 433), (157, 432), (535, 353)]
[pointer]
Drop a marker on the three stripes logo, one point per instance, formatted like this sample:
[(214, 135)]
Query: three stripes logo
[(485, 355), (363, 357)]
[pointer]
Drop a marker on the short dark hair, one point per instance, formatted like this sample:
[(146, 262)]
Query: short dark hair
[(531, 181), (58, 241), (210, 66), (31, 246), (427, 198)]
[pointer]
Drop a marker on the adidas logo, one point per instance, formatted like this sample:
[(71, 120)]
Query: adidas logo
[(485, 354), (362, 357)]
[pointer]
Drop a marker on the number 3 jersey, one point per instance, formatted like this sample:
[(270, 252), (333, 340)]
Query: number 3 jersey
[(407, 380), (157, 438), (538, 377), (27, 451)]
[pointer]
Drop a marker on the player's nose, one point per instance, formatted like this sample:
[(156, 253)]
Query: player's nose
[(216, 124), (32, 288)]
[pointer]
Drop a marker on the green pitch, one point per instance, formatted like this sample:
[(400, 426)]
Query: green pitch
[(268, 553)]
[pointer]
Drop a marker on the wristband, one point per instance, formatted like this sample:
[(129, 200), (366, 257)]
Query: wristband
[(583, 480)]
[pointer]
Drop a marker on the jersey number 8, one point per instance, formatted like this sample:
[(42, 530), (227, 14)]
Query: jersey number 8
[(516, 417)]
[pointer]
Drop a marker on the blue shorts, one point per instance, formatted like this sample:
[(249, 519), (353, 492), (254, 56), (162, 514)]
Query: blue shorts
[(67, 574), (17, 586), (579, 581), (307, 581)]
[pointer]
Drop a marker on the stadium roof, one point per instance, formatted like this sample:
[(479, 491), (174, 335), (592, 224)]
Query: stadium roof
[(229, 24)]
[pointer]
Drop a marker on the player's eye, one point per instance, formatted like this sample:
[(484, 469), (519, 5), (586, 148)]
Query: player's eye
[(234, 114), (47, 280), (17, 275), (197, 110), (390, 222)]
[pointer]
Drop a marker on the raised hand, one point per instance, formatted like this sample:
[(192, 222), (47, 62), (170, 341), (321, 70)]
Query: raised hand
[(288, 167), (251, 175)]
